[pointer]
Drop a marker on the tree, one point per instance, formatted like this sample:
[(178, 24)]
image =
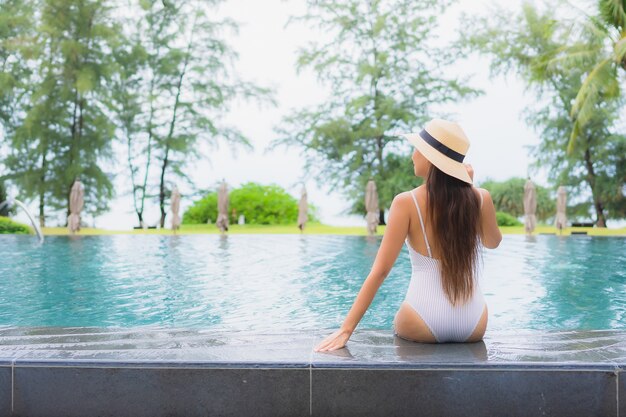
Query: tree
[(601, 50), (3, 197), (529, 43), (17, 30), (379, 59), (400, 178), (196, 84), (64, 132), (134, 93)]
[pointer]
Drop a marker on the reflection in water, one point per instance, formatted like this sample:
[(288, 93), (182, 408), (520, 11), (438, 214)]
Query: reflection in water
[(530, 238), (339, 353), (294, 282), (428, 352)]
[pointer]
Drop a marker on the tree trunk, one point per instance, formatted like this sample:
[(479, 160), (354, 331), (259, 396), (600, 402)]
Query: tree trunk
[(42, 215), (42, 184), (148, 153), (138, 211), (72, 149), (591, 180), (162, 188), (381, 174), (172, 126)]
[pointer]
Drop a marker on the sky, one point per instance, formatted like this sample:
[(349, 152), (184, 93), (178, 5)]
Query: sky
[(267, 51)]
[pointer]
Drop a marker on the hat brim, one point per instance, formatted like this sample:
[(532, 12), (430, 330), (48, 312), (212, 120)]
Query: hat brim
[(441, 161)]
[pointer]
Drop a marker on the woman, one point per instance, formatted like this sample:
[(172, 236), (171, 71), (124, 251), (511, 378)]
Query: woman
[(443, 223)]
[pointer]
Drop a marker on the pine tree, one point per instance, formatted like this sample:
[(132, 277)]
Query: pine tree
[(386, 75)]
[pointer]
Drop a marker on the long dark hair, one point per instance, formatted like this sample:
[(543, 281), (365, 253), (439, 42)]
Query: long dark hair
[(455, 212)]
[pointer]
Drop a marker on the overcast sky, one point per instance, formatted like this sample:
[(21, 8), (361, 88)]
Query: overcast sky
[(267, 53)]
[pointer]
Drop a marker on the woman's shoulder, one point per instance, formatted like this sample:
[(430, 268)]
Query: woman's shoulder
[(485, 197), (404, 199), (406, 195), (482, 191)]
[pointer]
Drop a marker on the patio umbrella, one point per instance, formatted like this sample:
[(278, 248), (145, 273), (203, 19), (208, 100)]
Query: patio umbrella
[(175, 201), (222, 208), (303, 210), (371, 207), (76, 205), (530, 206), (560, 221)]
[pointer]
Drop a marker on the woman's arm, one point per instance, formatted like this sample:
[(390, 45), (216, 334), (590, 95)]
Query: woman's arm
[(490, 234), (395, 234)]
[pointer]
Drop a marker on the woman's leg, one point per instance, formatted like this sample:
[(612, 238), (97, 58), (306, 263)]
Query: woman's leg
[(409, 325), (481, 327)]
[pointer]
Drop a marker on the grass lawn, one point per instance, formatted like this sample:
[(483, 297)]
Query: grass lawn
[(311, 229)]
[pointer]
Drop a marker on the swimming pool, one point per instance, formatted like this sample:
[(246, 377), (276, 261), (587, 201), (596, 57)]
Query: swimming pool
[(287, 282)]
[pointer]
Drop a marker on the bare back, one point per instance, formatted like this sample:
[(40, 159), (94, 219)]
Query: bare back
[(414, 235)]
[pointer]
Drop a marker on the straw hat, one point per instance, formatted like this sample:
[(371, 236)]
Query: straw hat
[(444, 144)]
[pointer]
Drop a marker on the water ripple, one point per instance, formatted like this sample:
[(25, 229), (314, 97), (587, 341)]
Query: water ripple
[(287, 282)]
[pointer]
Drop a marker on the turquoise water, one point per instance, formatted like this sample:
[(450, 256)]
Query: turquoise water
[(277, 282)]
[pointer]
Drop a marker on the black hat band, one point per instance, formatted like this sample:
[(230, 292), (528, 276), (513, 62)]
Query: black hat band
[(452, 154)]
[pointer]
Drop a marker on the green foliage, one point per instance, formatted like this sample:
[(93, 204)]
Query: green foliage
[(603, 47), (263, 204), (508, 197), (400, 178), (59, 129), (505, 219), (77, 74), (260, 204), (8, 226), (202, 210), (184, 88), (386, 77), (555, 59)]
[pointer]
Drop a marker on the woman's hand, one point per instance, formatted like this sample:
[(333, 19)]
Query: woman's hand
[(335, 341), (470, 171)]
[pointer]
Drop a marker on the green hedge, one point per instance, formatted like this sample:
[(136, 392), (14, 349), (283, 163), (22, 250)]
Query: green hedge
[(8, 226), (260, 204), (508, 197), (505, 219)]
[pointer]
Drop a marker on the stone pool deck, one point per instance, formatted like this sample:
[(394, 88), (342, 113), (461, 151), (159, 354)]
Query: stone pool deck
[(155, 372)]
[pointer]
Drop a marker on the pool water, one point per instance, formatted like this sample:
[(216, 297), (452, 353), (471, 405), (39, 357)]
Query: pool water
[(290, 282)]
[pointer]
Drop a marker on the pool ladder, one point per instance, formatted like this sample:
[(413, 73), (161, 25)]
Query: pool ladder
[(9, 203)]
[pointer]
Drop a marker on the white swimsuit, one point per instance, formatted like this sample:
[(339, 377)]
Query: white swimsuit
[(447, 322)]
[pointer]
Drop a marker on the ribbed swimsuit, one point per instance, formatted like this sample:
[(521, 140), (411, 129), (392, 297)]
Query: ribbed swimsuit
[(447, 322)]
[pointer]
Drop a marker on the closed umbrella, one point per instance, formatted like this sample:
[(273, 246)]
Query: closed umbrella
[(560, 221), (530, 206), (371, 207), (76, 205), (175, 201), (222, 208), (303, 210)]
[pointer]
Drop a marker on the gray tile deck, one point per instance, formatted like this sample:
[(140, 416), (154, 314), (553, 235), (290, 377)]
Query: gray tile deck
[(132, 392), (449, 393), (150, 371), (621, 394), (5, 389)]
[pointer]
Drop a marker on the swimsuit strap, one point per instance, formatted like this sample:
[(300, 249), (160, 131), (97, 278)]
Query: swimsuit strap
[(419, 213)]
